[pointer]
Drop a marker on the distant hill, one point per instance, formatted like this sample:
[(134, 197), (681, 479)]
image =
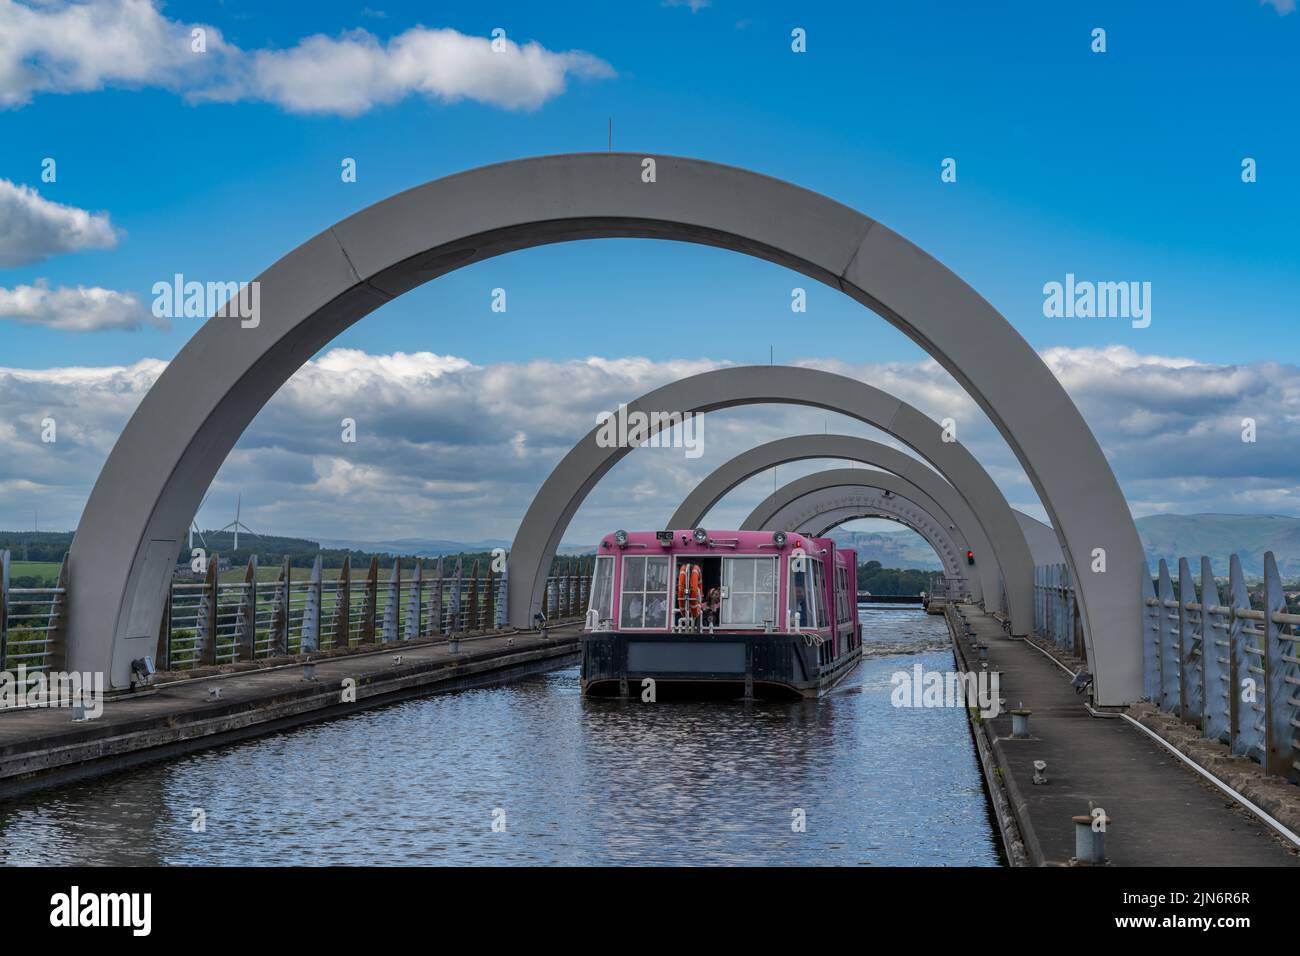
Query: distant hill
[(435, 547), (1165, 536), (893, 549), (1220, 536)]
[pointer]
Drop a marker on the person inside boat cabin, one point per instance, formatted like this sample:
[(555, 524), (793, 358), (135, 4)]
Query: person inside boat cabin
[(800, 603), (712, 606)]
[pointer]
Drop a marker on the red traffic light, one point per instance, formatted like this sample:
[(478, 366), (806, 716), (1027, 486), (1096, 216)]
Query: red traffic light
[(970, 557)]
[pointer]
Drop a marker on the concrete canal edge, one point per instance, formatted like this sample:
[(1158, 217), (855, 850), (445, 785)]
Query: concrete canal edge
[(996, 785), (1174, 811), (41, 748)]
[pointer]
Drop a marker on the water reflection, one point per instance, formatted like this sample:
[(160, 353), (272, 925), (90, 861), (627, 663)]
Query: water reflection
[(574, 781)]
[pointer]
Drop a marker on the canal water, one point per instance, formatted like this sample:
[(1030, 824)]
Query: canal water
[(531, 773)]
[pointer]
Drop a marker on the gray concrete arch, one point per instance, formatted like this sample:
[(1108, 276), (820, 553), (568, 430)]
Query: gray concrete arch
[(803, 447), (830, 519), (875, 494), (134, 521), (591, 458)]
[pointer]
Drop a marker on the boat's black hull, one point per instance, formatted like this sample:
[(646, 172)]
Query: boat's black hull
[(710, 665)]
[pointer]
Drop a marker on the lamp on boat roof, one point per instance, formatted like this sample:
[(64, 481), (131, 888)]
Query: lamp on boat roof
[(620, 538), (700, 536), (778, 539)]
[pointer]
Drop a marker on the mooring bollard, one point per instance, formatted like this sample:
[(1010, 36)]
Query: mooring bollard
[(309, 671), (1040, 772), (1090, 842), (1020, 722), (983, 651), (453, 644)]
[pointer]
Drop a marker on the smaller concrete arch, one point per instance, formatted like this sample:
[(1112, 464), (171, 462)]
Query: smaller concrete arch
[(592, 457), (1041, 538), (828, 521), (990, 544), (868, 493)]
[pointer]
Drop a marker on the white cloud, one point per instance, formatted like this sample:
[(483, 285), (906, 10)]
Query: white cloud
[(695, 5), (78, 310), (62, 47), (33, 228), (449, 449), (1283, 7)]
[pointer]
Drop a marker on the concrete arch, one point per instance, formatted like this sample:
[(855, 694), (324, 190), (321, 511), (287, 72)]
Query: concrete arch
[(829, 520), (591, 458), (803, 447), (130, 532), (1043, 546), (872, 494)]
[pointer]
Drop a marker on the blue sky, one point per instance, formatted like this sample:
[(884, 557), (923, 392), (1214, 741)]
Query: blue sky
[(1121, 165), (1116, 166)]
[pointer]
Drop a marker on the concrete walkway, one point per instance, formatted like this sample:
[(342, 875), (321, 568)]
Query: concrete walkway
[(41, 747), (1162, 812)]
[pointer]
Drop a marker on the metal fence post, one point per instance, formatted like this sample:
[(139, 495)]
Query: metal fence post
[(1171, 664), (1152, 653), (1282, 675), (503, 596), (341, 620), (246, 622), (489, 599), (440, 589), (309, 639), (415, 601), (4, 607), (370, 603), (1247, 676), (278, 638), (1191, 643), (456, 585), (471, 606), (1216, 661), (207, 617), (393, 606)]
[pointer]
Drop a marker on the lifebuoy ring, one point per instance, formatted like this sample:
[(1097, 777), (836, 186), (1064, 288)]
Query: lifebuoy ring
[(690, 590)]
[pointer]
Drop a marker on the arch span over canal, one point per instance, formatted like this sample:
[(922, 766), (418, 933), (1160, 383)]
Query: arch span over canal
[(167, 455), (991, 577)]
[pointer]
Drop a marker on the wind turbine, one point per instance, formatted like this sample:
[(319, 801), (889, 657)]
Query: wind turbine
[(237, 525)]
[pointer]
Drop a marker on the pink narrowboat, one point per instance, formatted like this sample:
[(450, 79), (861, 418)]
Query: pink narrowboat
[(720, 613)]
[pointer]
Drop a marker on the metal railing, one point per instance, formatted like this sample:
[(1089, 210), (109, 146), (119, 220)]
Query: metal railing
[(213, 622), (210, 621), (950, 589), (1056, 609), (1231, 668), (33, 623)]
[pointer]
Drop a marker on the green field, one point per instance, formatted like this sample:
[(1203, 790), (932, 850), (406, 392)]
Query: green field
[(47, 571)]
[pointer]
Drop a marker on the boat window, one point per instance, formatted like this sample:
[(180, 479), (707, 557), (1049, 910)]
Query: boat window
[(819, 594), (843, 600), (807, 593), (602, 588), (751, 591), (644, 601)]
